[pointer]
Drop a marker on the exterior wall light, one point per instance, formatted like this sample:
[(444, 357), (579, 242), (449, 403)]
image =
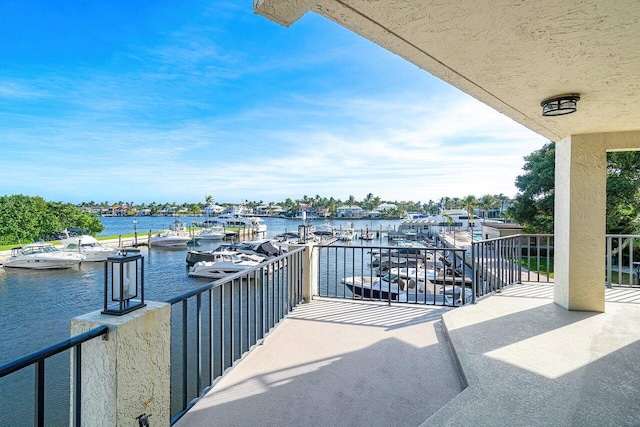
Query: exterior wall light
[(124, 273), (560, 105)]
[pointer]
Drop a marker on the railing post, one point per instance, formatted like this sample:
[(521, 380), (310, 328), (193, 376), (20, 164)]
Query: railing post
[(128, 374), (474, 275), (309, 271)]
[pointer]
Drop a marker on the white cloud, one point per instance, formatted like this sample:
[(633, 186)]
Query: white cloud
[(190, 116)]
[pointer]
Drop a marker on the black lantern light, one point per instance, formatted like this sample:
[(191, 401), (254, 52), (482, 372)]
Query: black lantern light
[(123, 275), (560, 105)]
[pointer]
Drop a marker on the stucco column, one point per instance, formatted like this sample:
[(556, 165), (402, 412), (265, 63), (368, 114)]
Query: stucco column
[(309, 271), (127, 374), (580, 214)]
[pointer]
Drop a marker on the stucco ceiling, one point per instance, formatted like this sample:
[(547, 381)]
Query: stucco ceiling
[(508, 54)]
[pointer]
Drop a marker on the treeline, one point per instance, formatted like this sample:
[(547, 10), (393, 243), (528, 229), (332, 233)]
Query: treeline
[(26, 219), (533, 206)]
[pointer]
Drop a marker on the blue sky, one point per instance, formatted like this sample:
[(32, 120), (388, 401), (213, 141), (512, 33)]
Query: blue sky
[(173, 101)]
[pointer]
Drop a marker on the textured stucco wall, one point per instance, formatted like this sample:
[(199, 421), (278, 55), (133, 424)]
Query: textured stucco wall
[(129, 373), (580, 215), (309, 272)]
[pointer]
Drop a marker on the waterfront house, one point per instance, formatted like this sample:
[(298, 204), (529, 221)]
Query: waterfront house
[(212, 210), (350, 212), (381, 209)]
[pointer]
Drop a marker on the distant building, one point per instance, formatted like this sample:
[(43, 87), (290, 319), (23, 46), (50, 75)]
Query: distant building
[(212, 210), (121, 210), (268, 210), (381, 209), (350, 212)]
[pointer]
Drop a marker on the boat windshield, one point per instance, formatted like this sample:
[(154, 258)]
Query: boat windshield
[(390, 278), (38, 249)]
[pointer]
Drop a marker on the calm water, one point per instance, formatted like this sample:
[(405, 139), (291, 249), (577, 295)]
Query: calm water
[(36, 306)]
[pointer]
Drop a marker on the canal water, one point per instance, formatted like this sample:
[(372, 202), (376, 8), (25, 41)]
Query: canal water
[(36, 308)]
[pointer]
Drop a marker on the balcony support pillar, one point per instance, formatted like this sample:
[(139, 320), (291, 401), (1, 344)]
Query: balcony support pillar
[(309, 271), (128, 374), (580, 216)]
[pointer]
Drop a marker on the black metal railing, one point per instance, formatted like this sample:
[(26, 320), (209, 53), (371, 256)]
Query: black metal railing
[(418, 275), (623, 260), (38, 361), (215, 325), (503, 261)]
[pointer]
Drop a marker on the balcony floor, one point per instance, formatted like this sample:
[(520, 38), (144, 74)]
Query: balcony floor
[(529, 362), (339, 363)]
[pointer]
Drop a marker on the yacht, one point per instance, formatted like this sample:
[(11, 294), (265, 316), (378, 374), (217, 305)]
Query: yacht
[(262, 248), (239, 218), (42, 256), (213, 233), (395, 288), (223, 264), (89, 247), (346, 234), (168, 239)]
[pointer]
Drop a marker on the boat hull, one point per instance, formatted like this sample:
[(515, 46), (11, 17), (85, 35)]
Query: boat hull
[(42, 264)]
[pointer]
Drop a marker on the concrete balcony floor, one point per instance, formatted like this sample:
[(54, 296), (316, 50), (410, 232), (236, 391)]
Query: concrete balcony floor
[(339, 363), (527, 362)]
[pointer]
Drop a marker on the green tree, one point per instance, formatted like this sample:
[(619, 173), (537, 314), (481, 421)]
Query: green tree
[(487, 203), (25, 219), (533, 206)]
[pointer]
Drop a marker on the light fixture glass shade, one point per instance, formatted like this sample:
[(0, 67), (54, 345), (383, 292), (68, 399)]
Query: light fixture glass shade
[(560, 105)]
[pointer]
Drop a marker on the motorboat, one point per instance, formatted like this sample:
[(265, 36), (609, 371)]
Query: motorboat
[(213, 233), (395, 288), (89, 247), (346, 234), (42, 256), (263, 248), (168, 239), (324, 230), (385, 287), (223, 264), (239, 218), (367, 235)]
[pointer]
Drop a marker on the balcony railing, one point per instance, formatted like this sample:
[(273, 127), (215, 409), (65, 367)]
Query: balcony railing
[(38, 361), (431, 276), (500, 262), (214, 326), (623, 260)]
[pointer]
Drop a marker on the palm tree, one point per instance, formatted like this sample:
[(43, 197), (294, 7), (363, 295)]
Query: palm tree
[(469, 203), (502, 199), (487, 202)]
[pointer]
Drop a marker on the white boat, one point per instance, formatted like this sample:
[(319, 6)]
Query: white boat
[(393, 287), (262, 248), (42, 256), (324, 230), (223, 264), (89, 247), (346, 234), (168, 239), (212, 233), (239, 218)]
